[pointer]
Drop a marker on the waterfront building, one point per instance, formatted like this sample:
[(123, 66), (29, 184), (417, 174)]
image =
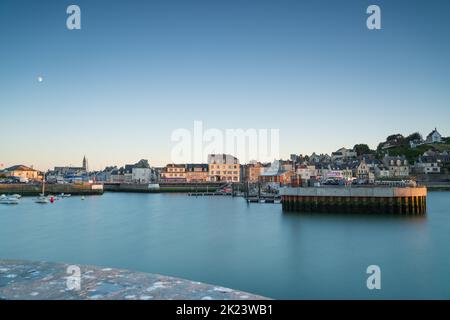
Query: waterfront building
[(142, 173), (122, 175), (306, 172), (22, 172), (252, 171), (276, 175), (362, 171), (173, 173), (223, 168), (103, 176), (197, 173)]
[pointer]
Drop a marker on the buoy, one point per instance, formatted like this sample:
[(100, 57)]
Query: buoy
[(52, 200)]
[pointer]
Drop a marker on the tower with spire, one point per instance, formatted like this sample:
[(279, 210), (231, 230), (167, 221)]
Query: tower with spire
[(85, 164)]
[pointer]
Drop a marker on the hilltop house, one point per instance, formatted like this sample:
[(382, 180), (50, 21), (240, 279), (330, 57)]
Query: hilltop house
[(434, 137), (322, 158), (343, 154)]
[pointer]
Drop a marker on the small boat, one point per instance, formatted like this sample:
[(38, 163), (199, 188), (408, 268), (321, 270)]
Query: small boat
[(63, 195), (17, 196), (42, 200), (8, 200)]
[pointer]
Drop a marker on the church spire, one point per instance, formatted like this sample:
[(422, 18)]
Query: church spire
[(85, 163)]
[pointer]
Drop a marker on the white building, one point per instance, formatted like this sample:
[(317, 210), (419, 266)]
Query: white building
[(434, 137), (141, 172), (426, 167), (141, 175)]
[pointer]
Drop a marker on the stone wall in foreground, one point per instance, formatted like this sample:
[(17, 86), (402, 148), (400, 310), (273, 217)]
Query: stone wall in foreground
[(26, 280)]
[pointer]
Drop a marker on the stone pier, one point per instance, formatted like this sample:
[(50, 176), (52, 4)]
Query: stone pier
[(27, 280)]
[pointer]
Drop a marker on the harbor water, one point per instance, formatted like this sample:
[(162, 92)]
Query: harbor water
[(250, 247)]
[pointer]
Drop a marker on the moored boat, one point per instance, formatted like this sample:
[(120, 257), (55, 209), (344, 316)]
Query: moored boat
[(8, 200), (42, 200)]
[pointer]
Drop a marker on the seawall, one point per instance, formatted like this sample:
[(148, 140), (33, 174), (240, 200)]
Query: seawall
[(164, 187), (36, 189)]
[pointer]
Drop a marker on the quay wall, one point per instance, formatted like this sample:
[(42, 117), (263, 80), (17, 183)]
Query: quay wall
[(36, 189), (355, 200), (164, 187)]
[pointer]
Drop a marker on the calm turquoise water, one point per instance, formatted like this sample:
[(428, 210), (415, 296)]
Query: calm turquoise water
[(224, 241)]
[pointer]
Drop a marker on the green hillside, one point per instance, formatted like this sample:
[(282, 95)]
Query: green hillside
[(413, 154)]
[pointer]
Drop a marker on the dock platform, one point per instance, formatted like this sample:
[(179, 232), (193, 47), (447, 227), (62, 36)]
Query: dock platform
[(376, 199)]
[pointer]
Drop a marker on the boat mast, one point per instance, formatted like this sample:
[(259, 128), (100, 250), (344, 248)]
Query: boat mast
[(43, 185)]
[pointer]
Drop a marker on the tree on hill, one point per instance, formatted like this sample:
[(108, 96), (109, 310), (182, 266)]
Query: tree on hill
[(395, 137), (362, 148), (414, 136)]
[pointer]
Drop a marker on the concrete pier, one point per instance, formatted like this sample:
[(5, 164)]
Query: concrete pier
[(27, 280), (402, 200)]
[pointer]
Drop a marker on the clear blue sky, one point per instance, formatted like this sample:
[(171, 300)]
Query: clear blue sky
[(137, 70)]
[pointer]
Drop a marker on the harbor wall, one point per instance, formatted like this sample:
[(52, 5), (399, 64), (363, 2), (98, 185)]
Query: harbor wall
[(164, 187), (36, 189), (435, 181), (355, 200)]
